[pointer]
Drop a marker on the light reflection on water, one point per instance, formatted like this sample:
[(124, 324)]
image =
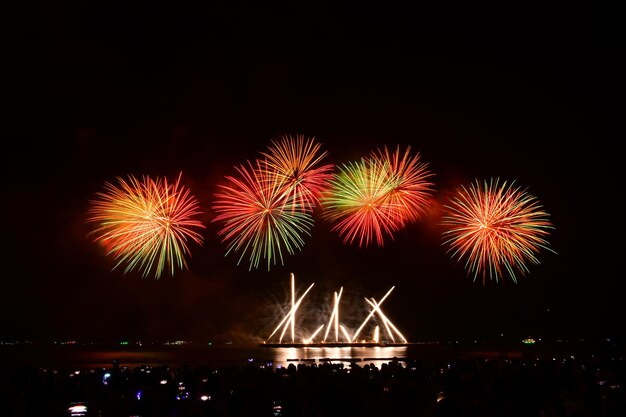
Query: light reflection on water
[(266, 356), (218, 356), (211, 356), (359, 355)]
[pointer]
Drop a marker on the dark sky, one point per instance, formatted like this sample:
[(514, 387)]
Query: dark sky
[(100, 90)]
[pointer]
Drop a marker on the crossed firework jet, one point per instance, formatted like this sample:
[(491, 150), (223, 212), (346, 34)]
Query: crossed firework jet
[(289, 320), (268, 206)]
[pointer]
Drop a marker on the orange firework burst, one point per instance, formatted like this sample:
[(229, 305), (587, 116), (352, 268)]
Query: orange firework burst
[(296, 161), (495, 228), (146, 223)]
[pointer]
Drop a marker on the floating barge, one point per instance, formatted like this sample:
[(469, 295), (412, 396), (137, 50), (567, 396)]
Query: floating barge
[(332, 344)]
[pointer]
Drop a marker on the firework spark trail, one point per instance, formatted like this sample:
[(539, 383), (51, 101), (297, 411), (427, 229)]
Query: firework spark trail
[(334, 316), (337, 298), (339, 329), (289, 315), (369, 316), (310, 339), (388, 324), (345, 333), (146, 223), (292, 314), (255, 221), (496, 228), (293, 307), (296, 161), (385, 323)]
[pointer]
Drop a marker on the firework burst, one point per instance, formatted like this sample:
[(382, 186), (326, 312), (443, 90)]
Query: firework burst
[(495, 228), (259, 218), (357, 202), (296, 161), (372, 199), (412, 191), (146, 223)]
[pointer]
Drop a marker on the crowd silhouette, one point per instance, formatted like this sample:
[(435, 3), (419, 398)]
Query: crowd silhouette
[(476, 387)]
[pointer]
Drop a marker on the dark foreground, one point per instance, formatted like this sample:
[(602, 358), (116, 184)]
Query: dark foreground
[(587, 385)]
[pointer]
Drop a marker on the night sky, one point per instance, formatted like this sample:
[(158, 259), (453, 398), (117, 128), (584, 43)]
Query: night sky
[(100, 90)]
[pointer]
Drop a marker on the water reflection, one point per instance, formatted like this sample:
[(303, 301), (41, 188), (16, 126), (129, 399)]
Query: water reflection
[(214, 356), (376, 355)]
